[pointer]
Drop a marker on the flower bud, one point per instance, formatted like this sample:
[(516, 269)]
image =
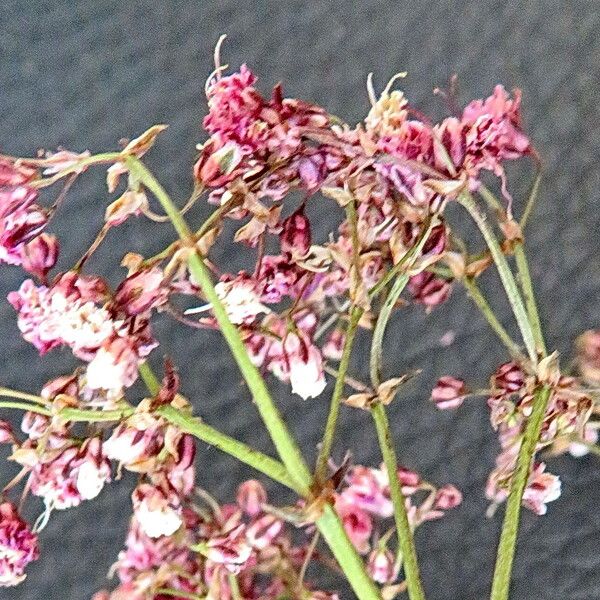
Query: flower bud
[(509, 378), (429, 290), (447, 497), (251, 496), (295, 234), (448, 392), (40, 255), (381, 566)]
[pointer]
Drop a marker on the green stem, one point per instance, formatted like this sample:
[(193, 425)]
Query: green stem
[(329, 523), (524, 277), (486, 310), (244, 453), (286, 447), (408, 260), (17, 405), (150, 380), (334, 534), (178, 594), (405, 536), (506, 276), (10, 393), (510, 527), (336, 398)]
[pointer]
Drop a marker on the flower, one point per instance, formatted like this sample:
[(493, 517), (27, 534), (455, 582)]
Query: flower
[(305, 366), (18, 546), (448, 392), (381, 566), (157, 511), (251, 497)]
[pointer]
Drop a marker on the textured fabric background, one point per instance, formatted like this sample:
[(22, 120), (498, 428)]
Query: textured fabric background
[(84, 74)]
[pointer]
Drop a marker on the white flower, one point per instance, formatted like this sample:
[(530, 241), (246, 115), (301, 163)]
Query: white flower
[(306, 367), (241, 300), (91, 479), (157, 519)]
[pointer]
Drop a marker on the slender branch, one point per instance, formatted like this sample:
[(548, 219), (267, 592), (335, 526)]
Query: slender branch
[(405, 537), (408, 260), (506, 276), (10, 393), (336, 398), (244, 453), (178, 594), (150, 380), (329, 523), (533, 194), (17, 405), (356, 313), (524, 277), (510, 527), (486, 310)]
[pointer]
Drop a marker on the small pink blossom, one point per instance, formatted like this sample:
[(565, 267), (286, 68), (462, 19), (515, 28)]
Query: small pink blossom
[(305, 366), (18, 546), (157, 510), (541, 488), (251, 497), (447, 497), (381, 566), (357, 523), (448, 392)]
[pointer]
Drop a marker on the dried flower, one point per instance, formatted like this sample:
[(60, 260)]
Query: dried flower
[(18, 546)]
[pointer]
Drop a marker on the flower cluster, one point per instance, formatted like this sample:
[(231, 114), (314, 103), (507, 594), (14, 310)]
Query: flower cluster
[(365, 506), (22, 223), (213, 547)]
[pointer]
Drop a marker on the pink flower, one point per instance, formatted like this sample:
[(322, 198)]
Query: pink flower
[(262, 532), (368, 489), (141, 291), (541, 488), (230, 549), (114, 366), (381, 566), (18, 546), (357, 523), (334, 345), (157, 510), (40, 255), (448, 392), (447, 497), (295, 234), (241, 298), (251, 496), (305, 366), (66, 477), (428, 289)]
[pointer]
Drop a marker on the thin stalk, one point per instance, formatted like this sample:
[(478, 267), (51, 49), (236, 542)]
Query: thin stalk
[(17, 405), (336, 398), (356, 313), (523, 273), (150, 380), (334, 534), (533, 194), (178, 594), (524, 277), (244, 453), (486, 310), (10, 393), (286, 447), (405, 536), (510, 527), (70, 414), (506, 276), (234, 586), (408, 260), (329, 524)]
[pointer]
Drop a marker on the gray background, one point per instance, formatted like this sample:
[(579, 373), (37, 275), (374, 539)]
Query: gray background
[(84, 74)]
